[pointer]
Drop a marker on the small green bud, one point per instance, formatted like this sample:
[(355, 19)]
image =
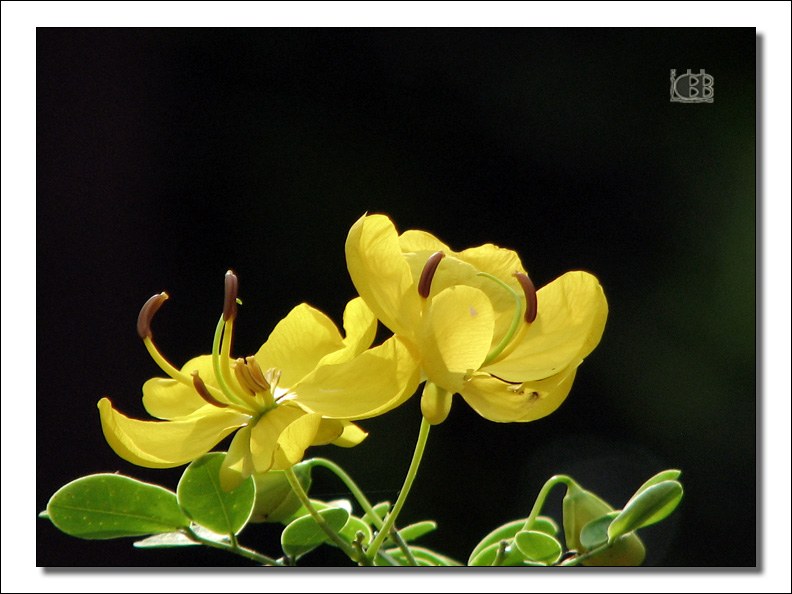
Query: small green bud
[(581, 507), (276, 501)]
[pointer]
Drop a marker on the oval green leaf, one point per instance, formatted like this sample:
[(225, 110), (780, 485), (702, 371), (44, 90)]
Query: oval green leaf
[(304, 534), (205, 501), (650, 506), (417, 530), (538, 546), (179, 539), (102, 506), (666, 475), (507, 531), (486, 556), (381, 509), (595, 532), (352, 527)]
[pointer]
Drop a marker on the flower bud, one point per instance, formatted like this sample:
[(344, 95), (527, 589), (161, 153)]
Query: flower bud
[(581, 507)]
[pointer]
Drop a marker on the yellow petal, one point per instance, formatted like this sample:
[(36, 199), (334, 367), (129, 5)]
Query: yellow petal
[(166, 398), (495, 260), (571, 318), (298, 343), (370, 384), (351, 436), (264, 435), (414, 240), (462, 268), (164, 444), (360, 326), (238, 463), (295, 439), (456, 335), (329, 430), (381, 275), (498, 401)]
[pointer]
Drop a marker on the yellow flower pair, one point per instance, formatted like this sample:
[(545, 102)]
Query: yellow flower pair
[(469, 323)]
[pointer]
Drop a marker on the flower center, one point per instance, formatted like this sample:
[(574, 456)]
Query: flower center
[(249, 389)]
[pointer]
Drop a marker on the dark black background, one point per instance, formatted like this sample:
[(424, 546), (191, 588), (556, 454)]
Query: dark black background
[(165, 157)]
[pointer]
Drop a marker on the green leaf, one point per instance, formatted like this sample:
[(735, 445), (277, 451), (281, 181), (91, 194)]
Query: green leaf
[(102, 506), (276, 501), (595, 532), (486, 556), (417, 530), (351, 528), (179, 539), (424, 557), (205, 501), (381, 509), (666, 475), (507, 532), (647, 507), (304, 534), (538, 546), (546, 525)]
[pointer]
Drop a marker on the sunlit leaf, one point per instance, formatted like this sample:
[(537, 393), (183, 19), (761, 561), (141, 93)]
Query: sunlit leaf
[(507, 532), (102, 506), (646, 508), (202, 497), (179, 539), (538, 546), (595, 533), (304, 534), (417, 530)]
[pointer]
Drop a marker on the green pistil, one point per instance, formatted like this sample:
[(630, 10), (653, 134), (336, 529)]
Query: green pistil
[(518, 312)]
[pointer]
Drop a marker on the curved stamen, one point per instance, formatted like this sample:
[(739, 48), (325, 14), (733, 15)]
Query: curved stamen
[(530, 296), (144, 330), (203, 392), (222, 372), (147, 314), (231, 292), (515, 320), (425, 282)]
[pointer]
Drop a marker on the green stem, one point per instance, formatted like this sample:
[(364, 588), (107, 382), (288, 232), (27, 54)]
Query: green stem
[(334, 536), (500, 555), (365, 504), (232, 548), (540, 499), (390, 520)]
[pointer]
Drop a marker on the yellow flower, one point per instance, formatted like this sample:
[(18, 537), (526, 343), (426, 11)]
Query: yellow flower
[(301, 388), (474, 320)]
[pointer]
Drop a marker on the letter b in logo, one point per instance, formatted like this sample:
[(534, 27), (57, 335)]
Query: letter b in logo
[(692, 88)]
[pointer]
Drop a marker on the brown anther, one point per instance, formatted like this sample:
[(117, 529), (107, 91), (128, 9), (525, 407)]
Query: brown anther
[(203, 392), (425, 282), (231, 291), (147, 313), (243, 376), (530, 296), (255, 372)]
